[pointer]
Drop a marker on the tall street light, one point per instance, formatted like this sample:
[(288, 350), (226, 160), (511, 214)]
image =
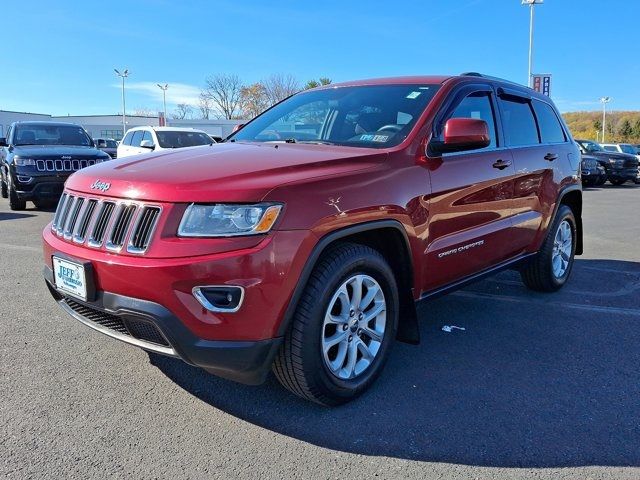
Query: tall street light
[(123, 75), (531, 4), (164, 99), (604, 101)]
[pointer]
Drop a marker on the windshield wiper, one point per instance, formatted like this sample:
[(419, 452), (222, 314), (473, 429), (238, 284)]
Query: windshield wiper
[(317, 142)]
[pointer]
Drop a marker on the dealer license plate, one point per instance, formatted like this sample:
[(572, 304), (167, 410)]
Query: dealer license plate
[(70, 278)]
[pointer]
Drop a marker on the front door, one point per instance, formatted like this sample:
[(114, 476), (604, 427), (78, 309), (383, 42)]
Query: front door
[(471, 202)]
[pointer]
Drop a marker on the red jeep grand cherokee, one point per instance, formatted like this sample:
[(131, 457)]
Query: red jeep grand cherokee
[(303, 242)]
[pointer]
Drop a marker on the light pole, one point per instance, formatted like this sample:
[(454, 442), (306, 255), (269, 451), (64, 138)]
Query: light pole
[(531, 4), (164, 99), (123, 75), (604, 101)]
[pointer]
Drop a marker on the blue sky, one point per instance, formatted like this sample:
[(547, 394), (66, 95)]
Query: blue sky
[(58, 57)]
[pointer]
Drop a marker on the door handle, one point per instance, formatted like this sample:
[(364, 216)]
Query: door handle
[(501, 164), (551, 156)]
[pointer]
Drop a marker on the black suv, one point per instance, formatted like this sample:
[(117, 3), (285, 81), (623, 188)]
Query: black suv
[(620, 167), (37, 157)]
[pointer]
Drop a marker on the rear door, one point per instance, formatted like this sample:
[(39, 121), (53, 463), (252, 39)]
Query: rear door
[(471, 202), (538, 144)]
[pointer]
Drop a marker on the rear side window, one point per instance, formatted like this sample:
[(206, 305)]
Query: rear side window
[(478, 106), (127, 138), (518, 122), (610, 148), (550, 128)]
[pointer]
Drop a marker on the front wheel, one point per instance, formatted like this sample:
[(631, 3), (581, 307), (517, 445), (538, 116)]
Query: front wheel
[(550, 269), (343, 328), (15, 203), (617, 181)]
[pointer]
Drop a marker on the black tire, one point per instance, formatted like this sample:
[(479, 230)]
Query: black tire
[(617, 182), (44, 204), (601, 181), (538, 275), (4, 191), (300, 365), (15, 203)]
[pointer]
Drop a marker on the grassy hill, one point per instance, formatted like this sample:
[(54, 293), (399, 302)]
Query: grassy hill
[(621, 127)]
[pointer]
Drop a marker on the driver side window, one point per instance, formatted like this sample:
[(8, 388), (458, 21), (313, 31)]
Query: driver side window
[(478, 105)]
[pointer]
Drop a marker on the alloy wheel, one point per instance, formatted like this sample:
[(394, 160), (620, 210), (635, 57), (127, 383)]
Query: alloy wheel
[(354, 326)]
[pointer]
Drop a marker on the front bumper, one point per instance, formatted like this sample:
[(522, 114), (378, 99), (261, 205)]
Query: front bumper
[(151, 326), (35, 187), (623, 174), (593, 174)]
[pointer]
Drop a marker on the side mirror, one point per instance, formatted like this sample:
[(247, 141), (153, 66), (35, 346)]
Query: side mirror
[(147, 144), (462, 134), (3, 142), (237, 127)]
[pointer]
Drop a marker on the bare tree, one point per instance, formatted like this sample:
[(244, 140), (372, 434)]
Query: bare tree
[(279, 86), (205, 105), (182, 111), (253, 100), (144, 112), (224, 91)]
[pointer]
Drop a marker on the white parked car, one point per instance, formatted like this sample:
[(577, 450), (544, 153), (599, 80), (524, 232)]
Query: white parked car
[(621, 148), (139, 140)]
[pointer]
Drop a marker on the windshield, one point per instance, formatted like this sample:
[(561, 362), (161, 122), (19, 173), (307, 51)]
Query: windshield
[(177, 139), (111, 143), (377, 116), (626, 148), (51, 135), (591, 146)]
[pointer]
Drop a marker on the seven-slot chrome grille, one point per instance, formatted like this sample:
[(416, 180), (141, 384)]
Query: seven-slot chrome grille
[(105, 222), (64, 165)]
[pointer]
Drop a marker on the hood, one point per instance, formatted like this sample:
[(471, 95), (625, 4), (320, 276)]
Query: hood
[(56, 151), (616, 155), (229, 172)]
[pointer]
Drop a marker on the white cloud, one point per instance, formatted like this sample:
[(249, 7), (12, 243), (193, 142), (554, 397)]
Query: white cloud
[(176, 93)]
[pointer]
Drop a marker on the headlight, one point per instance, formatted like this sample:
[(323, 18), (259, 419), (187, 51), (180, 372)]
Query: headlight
[(226, 220), (23, 162)]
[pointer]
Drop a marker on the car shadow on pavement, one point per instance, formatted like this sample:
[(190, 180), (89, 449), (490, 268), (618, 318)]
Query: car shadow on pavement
[(534, 380), (14, 216)]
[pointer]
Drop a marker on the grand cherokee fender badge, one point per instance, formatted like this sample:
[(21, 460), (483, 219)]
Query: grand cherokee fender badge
[(102, 186)]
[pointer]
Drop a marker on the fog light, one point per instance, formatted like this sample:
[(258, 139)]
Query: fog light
[(219, 298), (23, 179)]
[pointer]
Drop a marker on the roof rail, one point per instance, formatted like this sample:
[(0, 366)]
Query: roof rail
[(476, 74)]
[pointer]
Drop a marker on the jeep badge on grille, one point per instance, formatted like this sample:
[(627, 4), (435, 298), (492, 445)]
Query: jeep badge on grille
[(102, 186)]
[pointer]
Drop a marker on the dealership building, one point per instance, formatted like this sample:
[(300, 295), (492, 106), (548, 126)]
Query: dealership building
[(110, 126)]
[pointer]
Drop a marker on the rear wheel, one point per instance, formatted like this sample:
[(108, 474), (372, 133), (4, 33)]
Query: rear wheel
[(552, 266), (617, 181), (343, 328), (601, 181)]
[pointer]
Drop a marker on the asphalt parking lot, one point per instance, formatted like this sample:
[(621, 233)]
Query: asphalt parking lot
[(536, 386)]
